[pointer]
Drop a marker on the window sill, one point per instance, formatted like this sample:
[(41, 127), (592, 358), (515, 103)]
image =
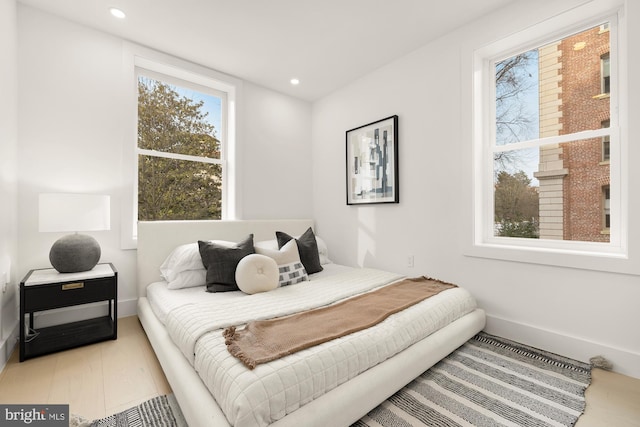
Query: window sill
[(602, 96), (605, 260)]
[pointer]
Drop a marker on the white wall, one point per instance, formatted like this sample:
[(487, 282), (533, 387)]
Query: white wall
[(70, 131), (73, 123), (276, 161), (8, 175), (578, 313)]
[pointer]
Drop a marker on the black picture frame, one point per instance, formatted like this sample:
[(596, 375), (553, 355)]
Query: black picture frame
[(372, 163)]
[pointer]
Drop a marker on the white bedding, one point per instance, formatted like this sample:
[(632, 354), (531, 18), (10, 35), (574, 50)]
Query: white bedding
[(188, 323), (261, 396), (163, 300)]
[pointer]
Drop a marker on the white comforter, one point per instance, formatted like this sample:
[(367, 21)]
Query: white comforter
[(261, 396), (186, 324)]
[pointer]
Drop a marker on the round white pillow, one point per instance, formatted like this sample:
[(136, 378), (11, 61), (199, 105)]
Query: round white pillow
[(257, 273)]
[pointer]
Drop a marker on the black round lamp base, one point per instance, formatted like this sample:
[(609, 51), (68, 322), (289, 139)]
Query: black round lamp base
[(75, 253)]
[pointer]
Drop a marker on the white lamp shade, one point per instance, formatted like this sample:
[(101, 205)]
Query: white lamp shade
[(74, 212)]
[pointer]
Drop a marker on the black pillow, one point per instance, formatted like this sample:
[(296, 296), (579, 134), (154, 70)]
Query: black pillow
[(307, 247), (221, 263)]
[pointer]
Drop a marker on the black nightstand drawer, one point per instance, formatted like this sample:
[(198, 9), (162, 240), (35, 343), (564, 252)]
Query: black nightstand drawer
[(46, 297)]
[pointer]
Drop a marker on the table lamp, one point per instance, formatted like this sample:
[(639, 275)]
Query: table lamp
[(74, 212)]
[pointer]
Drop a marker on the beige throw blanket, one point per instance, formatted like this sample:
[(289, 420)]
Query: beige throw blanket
[(266, 340)]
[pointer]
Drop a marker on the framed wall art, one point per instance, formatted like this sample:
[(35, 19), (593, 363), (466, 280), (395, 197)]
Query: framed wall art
[(372, 163)]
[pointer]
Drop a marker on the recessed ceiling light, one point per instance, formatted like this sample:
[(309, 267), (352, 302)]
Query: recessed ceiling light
[(117, 13), (295, 81)]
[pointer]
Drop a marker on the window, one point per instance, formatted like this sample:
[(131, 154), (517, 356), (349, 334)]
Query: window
[(605, 72), (606, 209), (541, 138), (180, 149), (606, 151)]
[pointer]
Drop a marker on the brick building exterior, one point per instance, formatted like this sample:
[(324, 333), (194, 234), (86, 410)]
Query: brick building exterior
[(574, 177)]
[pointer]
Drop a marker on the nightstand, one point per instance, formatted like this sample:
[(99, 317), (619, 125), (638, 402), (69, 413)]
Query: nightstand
[(46, 289)]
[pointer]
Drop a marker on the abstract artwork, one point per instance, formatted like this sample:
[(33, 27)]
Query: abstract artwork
[(372, 163)]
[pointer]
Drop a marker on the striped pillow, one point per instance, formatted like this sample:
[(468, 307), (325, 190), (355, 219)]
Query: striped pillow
[(289, 265)]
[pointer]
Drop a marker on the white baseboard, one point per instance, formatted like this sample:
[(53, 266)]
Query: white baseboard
[(7, 346), (624, 361), (69, 314), (128, 307)]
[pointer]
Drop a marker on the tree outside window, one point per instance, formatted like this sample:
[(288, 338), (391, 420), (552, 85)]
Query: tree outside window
[(180, 165)]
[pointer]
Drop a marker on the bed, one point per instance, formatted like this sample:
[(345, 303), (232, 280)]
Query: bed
[(340, 405)]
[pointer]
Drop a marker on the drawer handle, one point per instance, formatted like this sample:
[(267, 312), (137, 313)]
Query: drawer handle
[(68, 286)]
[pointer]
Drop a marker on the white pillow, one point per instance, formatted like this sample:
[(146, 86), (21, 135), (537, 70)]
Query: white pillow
[(184, 258), (257, 273), (266, 244), (288, 260), (323, 251), (189, 279)]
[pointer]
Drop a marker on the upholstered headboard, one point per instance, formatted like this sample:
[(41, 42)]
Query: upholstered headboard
[(156, 239)]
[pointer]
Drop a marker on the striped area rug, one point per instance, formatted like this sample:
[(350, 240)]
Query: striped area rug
[(489, 381), (161, 411)]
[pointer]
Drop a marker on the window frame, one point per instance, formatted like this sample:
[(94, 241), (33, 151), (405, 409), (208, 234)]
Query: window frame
[(194, 76), (612, 256)]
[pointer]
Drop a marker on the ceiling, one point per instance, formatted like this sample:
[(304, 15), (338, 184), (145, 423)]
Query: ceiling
[(324, 43)]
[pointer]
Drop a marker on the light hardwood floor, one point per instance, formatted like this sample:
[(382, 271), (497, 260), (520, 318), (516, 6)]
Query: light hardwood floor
[(108, 377), (95, 380)]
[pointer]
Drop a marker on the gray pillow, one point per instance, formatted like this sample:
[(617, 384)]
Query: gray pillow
[(307, 247), (221, 263)]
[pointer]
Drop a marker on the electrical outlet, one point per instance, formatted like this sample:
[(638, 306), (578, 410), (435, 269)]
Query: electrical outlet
[(410, 261)]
